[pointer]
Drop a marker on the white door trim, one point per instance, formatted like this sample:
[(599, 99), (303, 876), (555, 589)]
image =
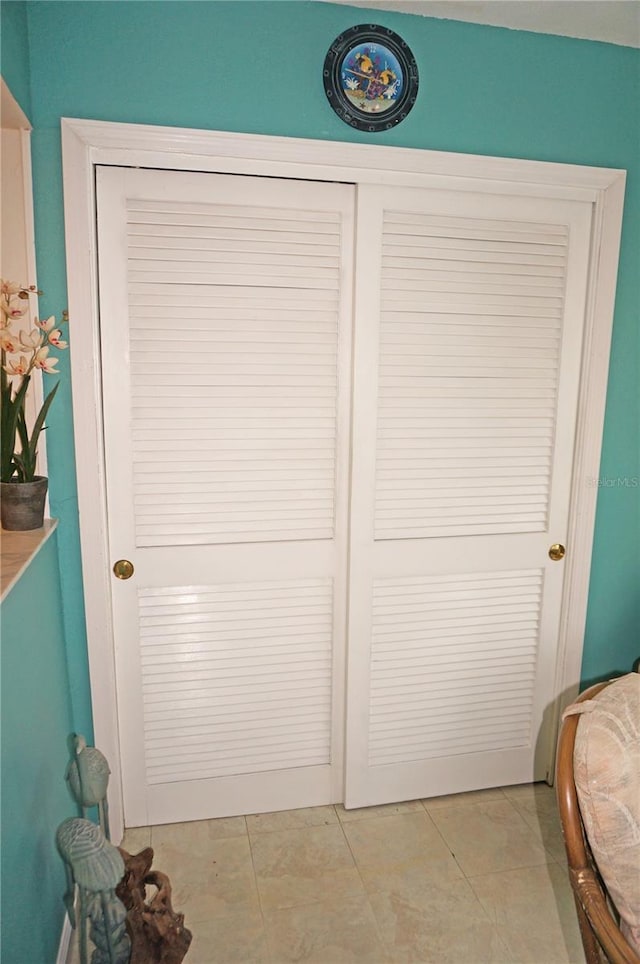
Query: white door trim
[(89, 143)]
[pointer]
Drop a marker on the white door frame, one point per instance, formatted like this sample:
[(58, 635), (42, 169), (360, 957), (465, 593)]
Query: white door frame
[(90, 143)]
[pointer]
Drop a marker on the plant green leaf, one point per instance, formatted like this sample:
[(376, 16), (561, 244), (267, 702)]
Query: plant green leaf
[(11, 408), (26, 460), (19, 464), (29, 453)]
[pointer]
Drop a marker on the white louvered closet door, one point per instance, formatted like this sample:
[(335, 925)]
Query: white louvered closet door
[(225, 321), (469, 315)]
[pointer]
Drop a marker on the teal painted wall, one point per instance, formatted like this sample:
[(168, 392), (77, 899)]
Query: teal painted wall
[(256, 67), (35, 707), (36, 722), (14, 51)]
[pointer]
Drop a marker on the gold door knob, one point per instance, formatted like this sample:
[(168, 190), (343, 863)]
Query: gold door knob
[(123, 569), (556, 552)]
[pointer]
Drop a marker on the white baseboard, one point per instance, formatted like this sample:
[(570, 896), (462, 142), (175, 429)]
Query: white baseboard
[(65, 941)]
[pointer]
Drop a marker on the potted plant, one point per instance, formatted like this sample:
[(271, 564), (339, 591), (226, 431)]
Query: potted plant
[(22, 492)]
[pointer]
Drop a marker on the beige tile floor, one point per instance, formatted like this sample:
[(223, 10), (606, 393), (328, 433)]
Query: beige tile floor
[(477, 877)]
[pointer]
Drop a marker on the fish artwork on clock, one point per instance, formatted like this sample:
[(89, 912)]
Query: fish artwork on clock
[(370, 77)]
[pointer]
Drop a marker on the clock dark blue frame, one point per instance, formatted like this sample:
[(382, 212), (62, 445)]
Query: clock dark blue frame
[(370, 77)]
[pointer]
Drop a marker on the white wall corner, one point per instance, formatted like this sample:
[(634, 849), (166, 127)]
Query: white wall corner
[(12, 114)]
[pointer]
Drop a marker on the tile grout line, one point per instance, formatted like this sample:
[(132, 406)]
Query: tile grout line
[(523, 813), (561, 862), (471, 878), (458, 864), (445, 842), (550, 860), (270, 950), (381, 940), (255, 883)]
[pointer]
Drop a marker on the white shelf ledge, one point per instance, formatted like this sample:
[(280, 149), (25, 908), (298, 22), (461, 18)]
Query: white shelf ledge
[(17, 551)]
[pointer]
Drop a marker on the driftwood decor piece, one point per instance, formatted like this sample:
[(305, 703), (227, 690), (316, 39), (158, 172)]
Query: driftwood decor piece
[(157, 933)]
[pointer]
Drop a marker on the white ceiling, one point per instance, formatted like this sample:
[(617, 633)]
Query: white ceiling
[(613, 21)]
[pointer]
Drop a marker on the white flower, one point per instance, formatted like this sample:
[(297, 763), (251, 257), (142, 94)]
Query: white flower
[(14, 311), (9, 288), (8, 341), (48, 324), (40, 360), (31, 340), (56, 340), (19, 367)]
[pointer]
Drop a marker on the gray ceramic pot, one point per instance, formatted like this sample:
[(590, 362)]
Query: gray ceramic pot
[(22, 503)]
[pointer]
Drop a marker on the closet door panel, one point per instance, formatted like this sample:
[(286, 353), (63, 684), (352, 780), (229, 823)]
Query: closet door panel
[(226, 324), (468, 337)]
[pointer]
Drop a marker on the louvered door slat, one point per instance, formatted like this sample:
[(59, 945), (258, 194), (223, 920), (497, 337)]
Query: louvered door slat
[(415, 356), (435, 730), (255, 354), (240, 744)]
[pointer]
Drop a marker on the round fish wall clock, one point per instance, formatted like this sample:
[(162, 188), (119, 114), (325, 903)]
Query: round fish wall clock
[(370, 77)]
